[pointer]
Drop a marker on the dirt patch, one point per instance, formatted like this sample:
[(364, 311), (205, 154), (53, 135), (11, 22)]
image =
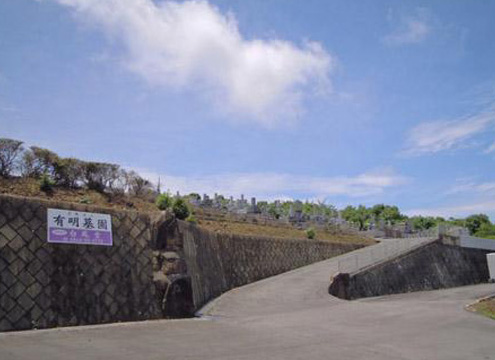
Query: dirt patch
[(484, 307)]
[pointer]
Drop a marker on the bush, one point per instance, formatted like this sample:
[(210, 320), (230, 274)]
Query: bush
[(163, 202), (46, 184), (180, 209), (310, 233), (85, 200), (192, 219)]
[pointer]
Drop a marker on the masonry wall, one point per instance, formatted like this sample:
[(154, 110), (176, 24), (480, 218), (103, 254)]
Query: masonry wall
[(434, 266), (45, 285), (218, 262), (157, 267)]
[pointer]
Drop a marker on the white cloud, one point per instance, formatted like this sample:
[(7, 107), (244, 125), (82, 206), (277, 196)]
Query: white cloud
[(487, 207), (436, 136), (275, 185), (192, 45), (412, 29), (485, 188)]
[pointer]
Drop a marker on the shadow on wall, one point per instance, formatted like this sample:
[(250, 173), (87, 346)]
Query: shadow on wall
[(172, 282)]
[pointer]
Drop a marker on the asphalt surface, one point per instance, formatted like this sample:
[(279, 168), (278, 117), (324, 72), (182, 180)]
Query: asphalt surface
[(289, 316)]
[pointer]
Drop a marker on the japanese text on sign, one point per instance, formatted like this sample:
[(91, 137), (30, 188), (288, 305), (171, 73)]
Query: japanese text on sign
[(77, 227)]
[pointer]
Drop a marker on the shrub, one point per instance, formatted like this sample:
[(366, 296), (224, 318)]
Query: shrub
[(85, 200), (192, 219), (310, 233), (163, 201), (180, 209), (46, 183), (9, 151)]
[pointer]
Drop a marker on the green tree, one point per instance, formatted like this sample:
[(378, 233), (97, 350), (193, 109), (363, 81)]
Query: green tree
[(423, 223), (389, 214), (392, 215), (377, 210), (308, 208), (486, 230), (474, 222), (358, 216), (274, 211)]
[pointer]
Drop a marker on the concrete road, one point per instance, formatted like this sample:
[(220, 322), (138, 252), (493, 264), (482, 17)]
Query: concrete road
[(289, 316)]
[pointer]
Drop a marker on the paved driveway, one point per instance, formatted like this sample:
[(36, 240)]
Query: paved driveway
[(290, 316)]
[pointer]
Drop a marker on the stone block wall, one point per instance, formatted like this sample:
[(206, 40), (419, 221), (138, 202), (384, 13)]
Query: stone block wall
[(157, 267), (218, 262), (433, 266), (45, 285)]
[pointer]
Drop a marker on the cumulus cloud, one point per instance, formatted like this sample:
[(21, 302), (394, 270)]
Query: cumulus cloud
[(412, 29), (276, 185), (192, 45), (436, 136)]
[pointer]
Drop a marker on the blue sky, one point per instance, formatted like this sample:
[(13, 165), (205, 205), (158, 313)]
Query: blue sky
[(351, 102)]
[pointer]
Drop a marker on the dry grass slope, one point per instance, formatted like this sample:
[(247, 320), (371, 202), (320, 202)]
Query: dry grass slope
[(280, 232), (31, 188)]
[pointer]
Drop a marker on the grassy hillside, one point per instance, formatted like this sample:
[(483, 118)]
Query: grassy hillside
[(31, 188)]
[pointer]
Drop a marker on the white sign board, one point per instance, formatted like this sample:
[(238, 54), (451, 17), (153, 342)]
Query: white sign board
[(77, 227), (491, 265)]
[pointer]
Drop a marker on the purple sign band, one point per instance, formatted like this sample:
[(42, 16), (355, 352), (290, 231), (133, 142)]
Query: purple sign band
[(79, 236)]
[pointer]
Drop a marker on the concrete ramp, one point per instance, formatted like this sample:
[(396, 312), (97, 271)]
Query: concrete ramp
[(305, 287)]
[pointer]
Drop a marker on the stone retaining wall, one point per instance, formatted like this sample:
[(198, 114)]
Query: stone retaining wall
[(433, 266), (218, 262), (157, 267), (46, 285)]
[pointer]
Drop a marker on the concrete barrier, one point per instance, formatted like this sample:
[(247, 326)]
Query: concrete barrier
[(434, 266)]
